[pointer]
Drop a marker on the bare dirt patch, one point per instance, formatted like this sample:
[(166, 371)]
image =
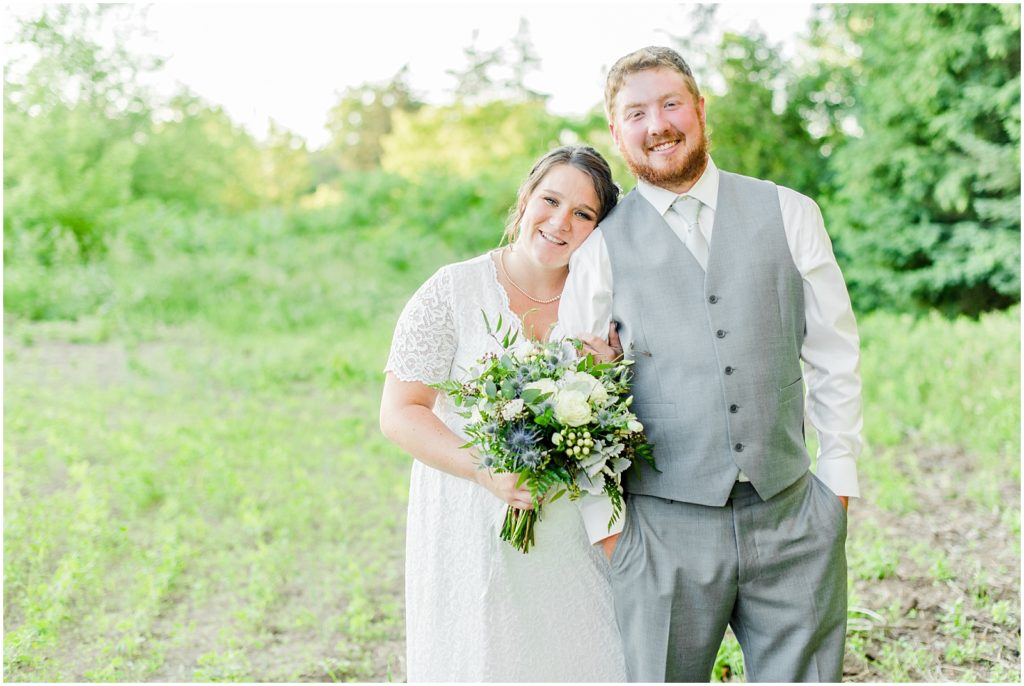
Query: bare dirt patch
[(951, 614)]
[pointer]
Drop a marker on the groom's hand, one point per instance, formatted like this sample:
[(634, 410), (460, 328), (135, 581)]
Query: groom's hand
[(609, 545), (845, 500)]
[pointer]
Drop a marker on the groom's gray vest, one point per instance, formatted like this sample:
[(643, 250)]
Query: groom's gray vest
[(717, 381)]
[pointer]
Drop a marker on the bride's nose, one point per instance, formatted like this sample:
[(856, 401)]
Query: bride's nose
[(559, 220)]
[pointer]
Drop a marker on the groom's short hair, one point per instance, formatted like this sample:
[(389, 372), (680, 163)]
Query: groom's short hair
[(651, 57)]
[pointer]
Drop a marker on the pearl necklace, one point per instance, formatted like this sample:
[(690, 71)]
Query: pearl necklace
[(501, 261)]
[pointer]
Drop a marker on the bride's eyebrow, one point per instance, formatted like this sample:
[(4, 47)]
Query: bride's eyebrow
[(584, 205)]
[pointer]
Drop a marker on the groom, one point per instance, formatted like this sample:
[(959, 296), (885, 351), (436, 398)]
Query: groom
[(721, 285)]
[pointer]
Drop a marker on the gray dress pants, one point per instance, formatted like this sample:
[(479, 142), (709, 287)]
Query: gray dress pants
[(773, 570)]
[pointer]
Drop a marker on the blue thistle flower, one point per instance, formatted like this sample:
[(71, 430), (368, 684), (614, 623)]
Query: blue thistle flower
[(530, 458), (604, 417), (520, 438)]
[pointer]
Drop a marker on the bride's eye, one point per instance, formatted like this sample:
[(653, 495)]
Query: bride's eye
[(584, 216), (551, 201)]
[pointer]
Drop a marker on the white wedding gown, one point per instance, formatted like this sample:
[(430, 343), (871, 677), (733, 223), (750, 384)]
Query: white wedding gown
[(477, 609)]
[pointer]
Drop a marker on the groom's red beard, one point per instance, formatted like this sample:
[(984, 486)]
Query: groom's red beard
[(684, 172)]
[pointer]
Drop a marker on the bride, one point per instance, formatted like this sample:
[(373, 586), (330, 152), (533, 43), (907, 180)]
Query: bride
[(476, 608)]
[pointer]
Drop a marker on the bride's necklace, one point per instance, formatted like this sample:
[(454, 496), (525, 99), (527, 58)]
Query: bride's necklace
[(501, 261)]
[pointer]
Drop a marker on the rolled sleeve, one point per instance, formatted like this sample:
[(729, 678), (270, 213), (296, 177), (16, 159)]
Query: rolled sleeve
[(597, 512), (586, 303)]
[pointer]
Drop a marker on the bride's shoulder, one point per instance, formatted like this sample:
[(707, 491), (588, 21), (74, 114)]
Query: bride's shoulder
[(479, 268)]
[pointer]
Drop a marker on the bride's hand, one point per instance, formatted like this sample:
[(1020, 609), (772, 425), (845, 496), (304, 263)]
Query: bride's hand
[(503, 486), (603, 352)]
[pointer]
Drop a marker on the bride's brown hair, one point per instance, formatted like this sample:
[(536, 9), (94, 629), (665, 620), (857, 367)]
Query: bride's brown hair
[(582, 157)]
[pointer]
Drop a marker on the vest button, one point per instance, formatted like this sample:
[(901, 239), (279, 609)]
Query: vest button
[(720, 333), (738, 447), (712, 299), (730, 370), (734, 408)]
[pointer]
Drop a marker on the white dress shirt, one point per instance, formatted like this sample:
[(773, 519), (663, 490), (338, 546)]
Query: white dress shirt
[(831, 347)]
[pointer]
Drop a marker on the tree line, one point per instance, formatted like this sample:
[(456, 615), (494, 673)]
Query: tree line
[(902, 121)]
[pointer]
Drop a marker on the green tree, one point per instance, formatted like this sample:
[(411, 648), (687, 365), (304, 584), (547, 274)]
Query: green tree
[(72, 110), (196, 157), (498, 138), (928, 194), (499, 73), (363, 116), (55, 59), (287, 166), (756, 126)]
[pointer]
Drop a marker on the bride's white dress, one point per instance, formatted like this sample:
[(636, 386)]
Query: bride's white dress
[(477, 609)]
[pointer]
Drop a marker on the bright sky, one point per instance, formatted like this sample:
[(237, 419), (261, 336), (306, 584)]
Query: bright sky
[(289, 62)]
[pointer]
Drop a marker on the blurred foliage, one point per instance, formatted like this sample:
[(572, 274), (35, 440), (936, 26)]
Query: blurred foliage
[(928, 197), (365, 114), (903, 122), (470, 140), (83, 140), (218, 171), (751, 128), (499, 73)]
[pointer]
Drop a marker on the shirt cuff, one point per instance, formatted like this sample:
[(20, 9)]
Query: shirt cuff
[(840, 475), (597, 511)]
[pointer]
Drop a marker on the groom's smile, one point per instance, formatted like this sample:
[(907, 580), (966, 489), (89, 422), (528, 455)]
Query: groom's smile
[(663, 147)]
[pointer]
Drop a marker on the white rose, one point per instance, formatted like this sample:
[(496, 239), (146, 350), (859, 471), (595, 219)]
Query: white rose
[(585, 383), (543, 385), (512, 409), (634, 426), (572, 408)]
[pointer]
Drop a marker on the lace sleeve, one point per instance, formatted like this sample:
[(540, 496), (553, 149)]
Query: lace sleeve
[(423, 347)]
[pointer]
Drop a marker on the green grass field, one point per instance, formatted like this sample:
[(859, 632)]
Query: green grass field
[(195, 488)]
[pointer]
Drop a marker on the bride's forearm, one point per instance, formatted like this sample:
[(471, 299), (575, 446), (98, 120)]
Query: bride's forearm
[(420, 433), (407, 419)]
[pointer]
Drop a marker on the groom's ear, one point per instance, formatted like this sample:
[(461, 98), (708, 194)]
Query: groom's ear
[(615, 135)]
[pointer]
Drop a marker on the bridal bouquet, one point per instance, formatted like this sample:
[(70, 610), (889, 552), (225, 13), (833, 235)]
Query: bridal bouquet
[(559, 420)]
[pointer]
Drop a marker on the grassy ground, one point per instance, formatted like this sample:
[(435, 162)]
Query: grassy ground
[(195, 488)]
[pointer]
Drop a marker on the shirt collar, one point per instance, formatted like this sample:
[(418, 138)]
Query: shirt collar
[(705, 190)]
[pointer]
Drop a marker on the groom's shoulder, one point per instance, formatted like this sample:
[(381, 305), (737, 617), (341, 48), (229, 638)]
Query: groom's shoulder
[(625, 212), (744, 181), (787, 195)]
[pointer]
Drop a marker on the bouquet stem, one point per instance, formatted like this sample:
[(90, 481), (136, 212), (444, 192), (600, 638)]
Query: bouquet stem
[(518, 527)]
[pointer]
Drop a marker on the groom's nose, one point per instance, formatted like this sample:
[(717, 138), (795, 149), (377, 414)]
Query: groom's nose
[(657, 123)]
